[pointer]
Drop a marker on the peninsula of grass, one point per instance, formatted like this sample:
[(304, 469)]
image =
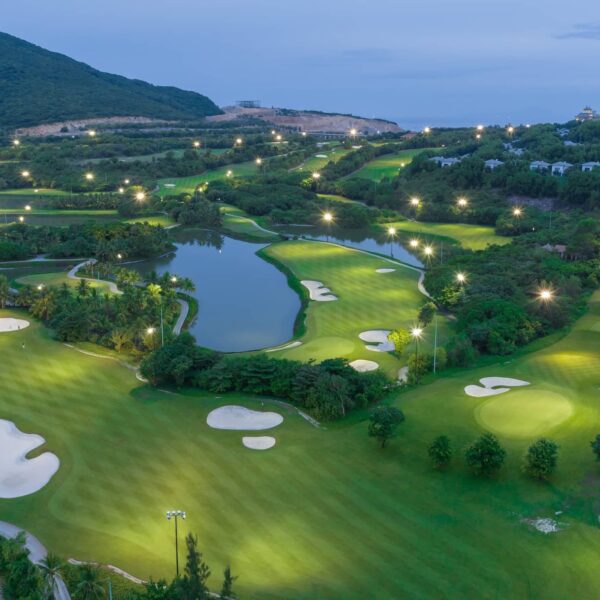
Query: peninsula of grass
[(367, 300), (237, 222), (290, 515)]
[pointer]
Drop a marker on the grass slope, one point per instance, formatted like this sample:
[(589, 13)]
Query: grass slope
[(57, 279), (186, 185), (326, 514), (366, 300), (475, 237), (387, 165)]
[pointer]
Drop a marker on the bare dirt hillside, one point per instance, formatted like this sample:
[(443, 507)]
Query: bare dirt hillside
[(307, 121), (79, 126)]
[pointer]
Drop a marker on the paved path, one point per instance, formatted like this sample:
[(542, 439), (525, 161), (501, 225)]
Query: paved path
[(37, 553), (72, 274), (185, 309)]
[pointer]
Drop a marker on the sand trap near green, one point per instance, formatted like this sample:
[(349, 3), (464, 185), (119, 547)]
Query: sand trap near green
[(10, 324), (524, 413)]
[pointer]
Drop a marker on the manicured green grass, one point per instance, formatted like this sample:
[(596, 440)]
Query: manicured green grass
[(336, 198), (187, 185), (366, 300), (158, 219), (322, 157), (58, 279), (325, 514), (387, 165), (32, 192), (236, 221), (177, 153), (475, 237)]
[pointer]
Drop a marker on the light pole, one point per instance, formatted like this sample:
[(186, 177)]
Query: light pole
[(391, 233), (328, 218), (415, 203), (416, 333), (518, 212), (176, 514), (109, 588)]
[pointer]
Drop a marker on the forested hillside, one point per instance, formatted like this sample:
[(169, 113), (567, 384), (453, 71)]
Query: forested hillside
[(39, 86)]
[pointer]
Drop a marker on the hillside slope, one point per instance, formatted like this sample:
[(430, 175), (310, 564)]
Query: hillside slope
[(39, 86)]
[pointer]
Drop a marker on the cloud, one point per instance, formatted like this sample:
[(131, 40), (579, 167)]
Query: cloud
[(582, 31)]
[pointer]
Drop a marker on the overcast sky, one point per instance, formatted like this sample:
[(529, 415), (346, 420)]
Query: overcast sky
[(413, 61)]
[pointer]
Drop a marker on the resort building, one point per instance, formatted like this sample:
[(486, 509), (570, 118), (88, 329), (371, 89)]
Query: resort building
[(539, 165), (492, 163), (587, 114), (442, 161), (560, 168), (590, 166)]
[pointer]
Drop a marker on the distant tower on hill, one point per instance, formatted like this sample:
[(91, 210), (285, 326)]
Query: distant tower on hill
[(587, 114), (248, 103)]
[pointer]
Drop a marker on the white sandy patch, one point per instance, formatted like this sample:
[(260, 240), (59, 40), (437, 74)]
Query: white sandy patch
[(481, 392), (491, 382), (20, 476), (239, 418), (320, 155), (318, 291), (403, 375), (384, 270), (259, 443), (378, 340), (10, 324), (362, 366), (169, 185), (490, 386), (544, 525), (286, 347)]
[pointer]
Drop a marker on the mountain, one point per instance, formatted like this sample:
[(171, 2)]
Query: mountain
[(39, 86)]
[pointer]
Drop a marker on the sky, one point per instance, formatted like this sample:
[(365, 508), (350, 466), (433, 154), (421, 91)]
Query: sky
[(416, 62)]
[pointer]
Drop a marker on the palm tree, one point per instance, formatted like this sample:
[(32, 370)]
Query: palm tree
[(4, 290), (89, 586), (51, 567)]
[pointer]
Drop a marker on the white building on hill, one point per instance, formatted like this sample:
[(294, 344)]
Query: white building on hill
[(539, 165), (560, 168), (590, 166), (492, 163)]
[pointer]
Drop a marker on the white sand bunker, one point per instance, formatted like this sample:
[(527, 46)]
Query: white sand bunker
[(259, 443), (544, 525), (490, 386), (378, 340), (318, 291), (20, 476), (286, 347), (10, 324), (384, 270), (169, 185), (321, 155), (239, 418), (362, 366)]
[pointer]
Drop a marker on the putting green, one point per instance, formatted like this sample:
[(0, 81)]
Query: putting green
[(524, 413)]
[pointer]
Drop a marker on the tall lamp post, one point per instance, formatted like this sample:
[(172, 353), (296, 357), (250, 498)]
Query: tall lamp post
[(517, 213), (391, 232), (176, 514), (328, 218), (416, 333)]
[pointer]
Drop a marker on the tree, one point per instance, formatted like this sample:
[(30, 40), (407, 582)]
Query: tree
[(51, 567), (426, 313), (227, 589), (596, 447), (485, 456), (540, 460), (383, 423), (440, 451), (196, 571), (89, 587), (400, 338), (4, 290), (83, 288)]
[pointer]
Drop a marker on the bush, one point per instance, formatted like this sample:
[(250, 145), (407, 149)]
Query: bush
[(541, 458), (485, 456), (440, 451)]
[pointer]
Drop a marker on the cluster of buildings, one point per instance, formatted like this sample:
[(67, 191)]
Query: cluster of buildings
[(557, 168)]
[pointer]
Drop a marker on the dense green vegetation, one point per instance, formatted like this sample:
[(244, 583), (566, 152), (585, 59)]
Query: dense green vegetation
[(39, 86)]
